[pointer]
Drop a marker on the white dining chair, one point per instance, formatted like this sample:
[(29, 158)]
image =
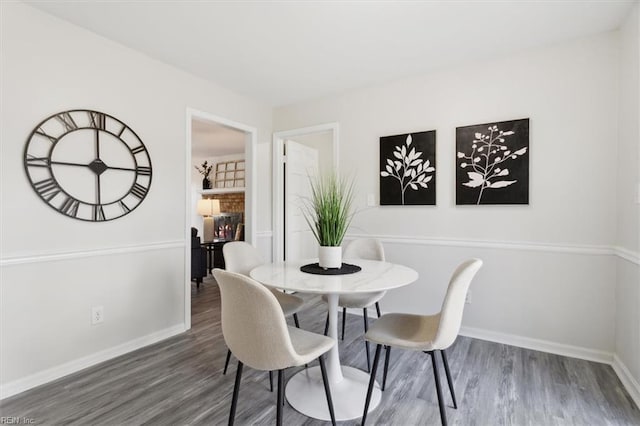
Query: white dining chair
[(426, 333), (361, 248), (255, 330), (241, 257)]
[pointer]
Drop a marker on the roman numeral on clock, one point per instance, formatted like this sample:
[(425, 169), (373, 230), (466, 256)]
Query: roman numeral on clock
[(98, 120), (143, 171), (70, 207), (47, 188), (98, 213), (67, 121), (46, 135), (124, 207), (137, 149), (38, 161), (139, 191)]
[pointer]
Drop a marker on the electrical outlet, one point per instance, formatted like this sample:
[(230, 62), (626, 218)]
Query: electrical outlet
[(467, 299), (371, 200), (97, 315)]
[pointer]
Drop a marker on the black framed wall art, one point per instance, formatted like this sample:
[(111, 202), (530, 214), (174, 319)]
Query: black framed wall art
[(492, 163), (407, 169)]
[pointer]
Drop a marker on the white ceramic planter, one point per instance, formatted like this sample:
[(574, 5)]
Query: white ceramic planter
[(330, 257)]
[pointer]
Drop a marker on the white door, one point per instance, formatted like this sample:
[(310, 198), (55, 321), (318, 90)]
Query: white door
[(300, 163)]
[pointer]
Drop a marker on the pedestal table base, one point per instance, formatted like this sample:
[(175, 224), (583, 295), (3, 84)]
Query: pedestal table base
[(305, 393)]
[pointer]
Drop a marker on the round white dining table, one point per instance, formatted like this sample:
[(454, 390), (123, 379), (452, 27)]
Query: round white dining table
[(305, 390)]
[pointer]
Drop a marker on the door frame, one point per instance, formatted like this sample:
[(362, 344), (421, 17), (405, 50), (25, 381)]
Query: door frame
[(278, 177), (250, 194)]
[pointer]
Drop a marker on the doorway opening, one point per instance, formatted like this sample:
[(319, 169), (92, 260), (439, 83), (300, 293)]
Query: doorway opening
[(220, 195), (296, 154)]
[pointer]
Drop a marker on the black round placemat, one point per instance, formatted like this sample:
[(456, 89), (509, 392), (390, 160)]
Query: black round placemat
[(346, 268)]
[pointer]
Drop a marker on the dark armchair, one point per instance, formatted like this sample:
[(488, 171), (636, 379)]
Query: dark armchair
[(198, 258)]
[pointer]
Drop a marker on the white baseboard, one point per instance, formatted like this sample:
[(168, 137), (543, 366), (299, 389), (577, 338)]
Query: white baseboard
[(627, 379), (522, 342), (630, 383), (51, 374), (539, 345)]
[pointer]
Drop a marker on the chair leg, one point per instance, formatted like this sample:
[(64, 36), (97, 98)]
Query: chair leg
[(296, 321), (344, 316), (236, 390), (386, 366), (446, 370), (327, 389), (372, 380), (366, 342), (326, 325), (378, 309), (436, 376), (270, 381), (226, 362), (284, 372), (280, 402)]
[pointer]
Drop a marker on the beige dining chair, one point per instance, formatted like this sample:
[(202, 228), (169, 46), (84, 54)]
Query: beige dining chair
[(241, 257), (255, 330), (361, 248), (426, 333)]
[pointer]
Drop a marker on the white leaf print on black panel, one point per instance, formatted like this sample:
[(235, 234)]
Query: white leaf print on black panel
[(492, 163), (407, 169)]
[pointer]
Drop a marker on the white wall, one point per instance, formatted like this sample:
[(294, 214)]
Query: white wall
[(54, 269), (628, 185), (549, 276)]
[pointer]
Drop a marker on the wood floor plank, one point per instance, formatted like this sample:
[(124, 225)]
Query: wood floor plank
[(179, 381)]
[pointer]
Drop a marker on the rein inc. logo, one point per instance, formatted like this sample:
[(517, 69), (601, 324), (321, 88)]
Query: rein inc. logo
[(14, 420)]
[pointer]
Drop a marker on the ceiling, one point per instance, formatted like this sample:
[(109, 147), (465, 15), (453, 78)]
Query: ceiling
[(283, 52), (211, 139)]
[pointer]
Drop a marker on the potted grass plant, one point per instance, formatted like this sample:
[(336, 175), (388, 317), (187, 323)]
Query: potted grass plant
[(329, 212)]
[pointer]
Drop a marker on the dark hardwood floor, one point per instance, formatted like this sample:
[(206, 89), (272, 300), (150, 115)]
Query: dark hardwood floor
[(179, 381)]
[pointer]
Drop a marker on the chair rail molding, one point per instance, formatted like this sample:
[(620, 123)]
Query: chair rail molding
[(108, 251), (586, 249), (628, 255)]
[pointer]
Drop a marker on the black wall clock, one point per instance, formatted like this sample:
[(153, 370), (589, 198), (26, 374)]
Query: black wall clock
[(87, 165)]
